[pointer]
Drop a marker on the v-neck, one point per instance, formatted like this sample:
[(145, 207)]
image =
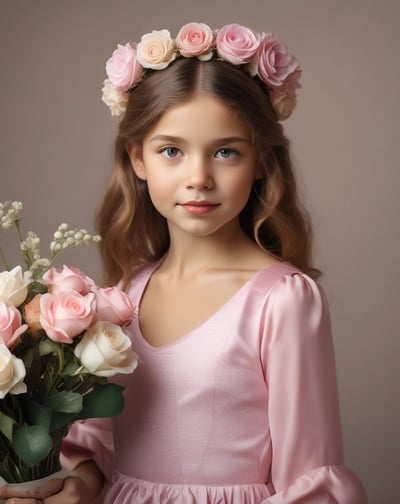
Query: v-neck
[(151, 269)]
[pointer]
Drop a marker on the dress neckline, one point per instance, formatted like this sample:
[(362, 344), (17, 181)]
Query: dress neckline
[(151, 269)]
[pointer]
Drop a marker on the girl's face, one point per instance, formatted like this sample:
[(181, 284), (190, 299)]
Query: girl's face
[(199, 163)]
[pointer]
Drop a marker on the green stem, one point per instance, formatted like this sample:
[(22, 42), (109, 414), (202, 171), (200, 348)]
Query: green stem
[(61, 364), (3, 257)]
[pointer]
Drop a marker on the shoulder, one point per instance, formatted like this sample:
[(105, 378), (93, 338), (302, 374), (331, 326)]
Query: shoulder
[(288, 291), (295, 316), (139, 278)]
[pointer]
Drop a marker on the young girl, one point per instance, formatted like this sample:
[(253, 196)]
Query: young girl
[(235, 398)]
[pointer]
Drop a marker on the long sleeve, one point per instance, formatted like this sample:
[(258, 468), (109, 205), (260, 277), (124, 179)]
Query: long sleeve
[(89, 440), (307, 453)]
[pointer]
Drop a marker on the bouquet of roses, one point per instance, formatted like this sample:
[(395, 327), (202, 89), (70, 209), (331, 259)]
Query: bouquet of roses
[(61, 338)]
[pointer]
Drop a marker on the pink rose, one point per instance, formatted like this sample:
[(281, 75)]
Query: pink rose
[(113, 305), (237, 44), (196, 39), (275, 63), (11, 326), (283, 98), (66, 314), (156, 50), (68, 279), (123, 68), (115, 100)]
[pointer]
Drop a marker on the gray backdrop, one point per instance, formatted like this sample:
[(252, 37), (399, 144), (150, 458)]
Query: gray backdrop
[(56, 153)]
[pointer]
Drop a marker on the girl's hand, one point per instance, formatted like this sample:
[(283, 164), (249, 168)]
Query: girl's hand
[(84, 488), (33, 496)]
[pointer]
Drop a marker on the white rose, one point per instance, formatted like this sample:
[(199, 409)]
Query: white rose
[(115, 100), (12, 373), (13, 286), (106, 350)]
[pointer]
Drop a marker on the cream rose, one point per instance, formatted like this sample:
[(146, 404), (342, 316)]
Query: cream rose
[(32, 314), (13, 286), (156, 50), (106, 350), (12, 373), (115, 100)]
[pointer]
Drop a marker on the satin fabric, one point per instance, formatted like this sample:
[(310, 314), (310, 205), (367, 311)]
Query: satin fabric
[(242, 409)]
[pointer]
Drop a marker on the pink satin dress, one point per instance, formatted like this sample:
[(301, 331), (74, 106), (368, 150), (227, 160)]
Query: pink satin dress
[(241, 410)]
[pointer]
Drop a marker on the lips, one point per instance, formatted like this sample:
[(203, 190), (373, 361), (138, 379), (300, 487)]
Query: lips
[(199, 207)]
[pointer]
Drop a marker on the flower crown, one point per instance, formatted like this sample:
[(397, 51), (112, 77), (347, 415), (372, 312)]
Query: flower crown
[(260, 55)]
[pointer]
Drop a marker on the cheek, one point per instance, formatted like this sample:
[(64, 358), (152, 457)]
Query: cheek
[(239, 189), (160, 189)]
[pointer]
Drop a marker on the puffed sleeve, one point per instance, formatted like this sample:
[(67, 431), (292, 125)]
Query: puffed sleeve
[(307, 453), (91, 439)]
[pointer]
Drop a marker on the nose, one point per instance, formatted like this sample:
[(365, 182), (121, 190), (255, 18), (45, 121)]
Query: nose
[(198, 175)]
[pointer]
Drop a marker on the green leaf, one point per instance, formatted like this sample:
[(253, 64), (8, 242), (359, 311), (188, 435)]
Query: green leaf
[(35, 413), (61, 420), (48, 346), (32, 443), (65, 402), (71, 368), (103, 401), (6, 426)]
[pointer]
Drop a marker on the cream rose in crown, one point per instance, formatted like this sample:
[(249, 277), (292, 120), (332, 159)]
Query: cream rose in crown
[(61, 339)]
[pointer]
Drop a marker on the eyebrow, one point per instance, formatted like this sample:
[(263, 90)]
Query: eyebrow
[(176, 139)]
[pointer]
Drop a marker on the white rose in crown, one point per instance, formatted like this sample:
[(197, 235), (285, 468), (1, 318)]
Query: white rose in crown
[(106, 350), (12, 373), (13, 287)]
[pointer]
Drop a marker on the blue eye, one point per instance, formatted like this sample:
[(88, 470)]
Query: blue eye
[(170, 152), (225, 153)]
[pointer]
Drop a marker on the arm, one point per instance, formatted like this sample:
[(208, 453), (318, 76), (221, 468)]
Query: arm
[(307, 460)]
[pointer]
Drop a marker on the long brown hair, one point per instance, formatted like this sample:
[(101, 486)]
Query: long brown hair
[(134, 232)]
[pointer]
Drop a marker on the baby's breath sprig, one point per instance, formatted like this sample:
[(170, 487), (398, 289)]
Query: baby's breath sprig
[(10, 215), (64, 238)]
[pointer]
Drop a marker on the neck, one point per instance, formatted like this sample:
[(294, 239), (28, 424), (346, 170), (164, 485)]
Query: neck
[(189, 255)]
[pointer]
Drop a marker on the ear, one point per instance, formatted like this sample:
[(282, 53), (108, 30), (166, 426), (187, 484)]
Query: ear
[(136, 157)]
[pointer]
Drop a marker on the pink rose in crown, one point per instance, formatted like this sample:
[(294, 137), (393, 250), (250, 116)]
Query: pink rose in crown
[(156, 50), (11, 327), (66, 314), (275, 63), (283, 98), (68, 278), (196, 39), (237, 44), (113, 305), (123, 68)]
